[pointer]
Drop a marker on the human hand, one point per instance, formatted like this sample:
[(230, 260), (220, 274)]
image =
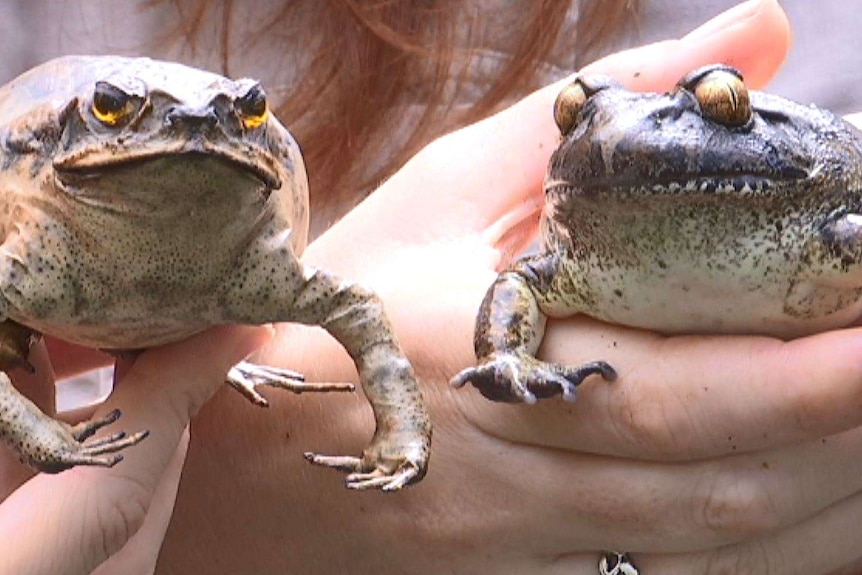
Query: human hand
[(77, 520), (705, 455)]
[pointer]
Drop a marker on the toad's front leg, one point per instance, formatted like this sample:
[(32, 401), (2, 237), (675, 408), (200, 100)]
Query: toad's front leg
[(399, 451), (509, 330), (46, 444)]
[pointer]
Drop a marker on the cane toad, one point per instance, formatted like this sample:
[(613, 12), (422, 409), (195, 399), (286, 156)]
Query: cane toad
[(143, 201)]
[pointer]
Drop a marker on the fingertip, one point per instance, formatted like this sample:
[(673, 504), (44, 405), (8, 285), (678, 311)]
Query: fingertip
[(828, 369), (755, 13), (753, 37)]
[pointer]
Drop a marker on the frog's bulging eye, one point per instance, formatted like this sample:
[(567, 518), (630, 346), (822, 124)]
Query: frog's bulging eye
[(567, 106), (111, 105), (252, 107), (723, 97)]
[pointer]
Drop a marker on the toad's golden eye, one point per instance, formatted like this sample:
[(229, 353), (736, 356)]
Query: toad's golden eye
[(723, 97), (111, 105), (567, 106), (252, 107)]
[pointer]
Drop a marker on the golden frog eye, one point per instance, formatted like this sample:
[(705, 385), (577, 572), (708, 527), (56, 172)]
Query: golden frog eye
[(567, 105), (111, 105), (723, 97), (252, 107)]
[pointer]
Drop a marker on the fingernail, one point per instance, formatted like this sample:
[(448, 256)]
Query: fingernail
[(727, 18)]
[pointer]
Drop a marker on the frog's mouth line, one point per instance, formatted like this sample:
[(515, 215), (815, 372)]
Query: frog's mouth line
[(94, 160), (735, 183)]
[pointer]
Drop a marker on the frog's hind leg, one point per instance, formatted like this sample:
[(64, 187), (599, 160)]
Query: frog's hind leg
[(399, 450), (246, 376), (509, 329)]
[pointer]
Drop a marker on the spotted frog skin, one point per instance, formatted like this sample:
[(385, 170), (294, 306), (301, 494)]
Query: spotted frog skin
[(709, 209), (144, 201)]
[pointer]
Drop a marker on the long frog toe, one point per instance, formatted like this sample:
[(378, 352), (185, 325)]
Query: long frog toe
[(86, 429), (346, 463), (246, 376), (574, 376)]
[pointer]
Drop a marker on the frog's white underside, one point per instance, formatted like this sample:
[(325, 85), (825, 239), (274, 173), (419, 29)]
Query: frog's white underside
[(686, 299)]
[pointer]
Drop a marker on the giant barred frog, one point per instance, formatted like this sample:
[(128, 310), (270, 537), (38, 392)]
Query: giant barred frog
[(143, 201), (709, 209)]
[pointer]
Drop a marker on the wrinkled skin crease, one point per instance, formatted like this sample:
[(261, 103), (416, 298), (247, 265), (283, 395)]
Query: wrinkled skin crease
[(129, 236)]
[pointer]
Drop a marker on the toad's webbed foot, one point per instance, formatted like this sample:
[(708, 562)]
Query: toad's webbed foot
[(388, 465), (245, 376), (515, 377)]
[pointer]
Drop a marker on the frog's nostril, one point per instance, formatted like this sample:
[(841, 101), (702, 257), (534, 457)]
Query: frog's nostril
[(192, 119)]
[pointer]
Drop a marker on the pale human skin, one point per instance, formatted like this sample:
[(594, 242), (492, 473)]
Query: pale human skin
[(667, 462)]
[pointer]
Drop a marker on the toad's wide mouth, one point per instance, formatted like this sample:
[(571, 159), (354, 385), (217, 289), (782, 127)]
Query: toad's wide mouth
[(725, 183), (95, 160)]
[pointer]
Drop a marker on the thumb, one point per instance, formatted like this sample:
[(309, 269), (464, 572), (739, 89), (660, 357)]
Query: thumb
[(166, 386), (73, 521)]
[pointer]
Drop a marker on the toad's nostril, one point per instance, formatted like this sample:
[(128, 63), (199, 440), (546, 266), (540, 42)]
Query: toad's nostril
[(192, 119)]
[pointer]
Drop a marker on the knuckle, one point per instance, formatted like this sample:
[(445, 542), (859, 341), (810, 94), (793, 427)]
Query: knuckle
[(738, 507), (649, 423), (119, 517)]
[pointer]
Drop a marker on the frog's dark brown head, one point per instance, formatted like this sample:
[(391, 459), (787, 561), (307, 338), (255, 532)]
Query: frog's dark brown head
[(710, 135)]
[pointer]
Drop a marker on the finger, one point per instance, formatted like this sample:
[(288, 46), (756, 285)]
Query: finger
[(617, 503), (632, 505), (754, 37), (747, 393), (85, 515), (166, 386), (823, 544), (140, 553)]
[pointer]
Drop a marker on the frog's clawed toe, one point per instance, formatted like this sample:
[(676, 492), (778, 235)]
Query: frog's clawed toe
[(62, 447), (245, 376), (521, 378)]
